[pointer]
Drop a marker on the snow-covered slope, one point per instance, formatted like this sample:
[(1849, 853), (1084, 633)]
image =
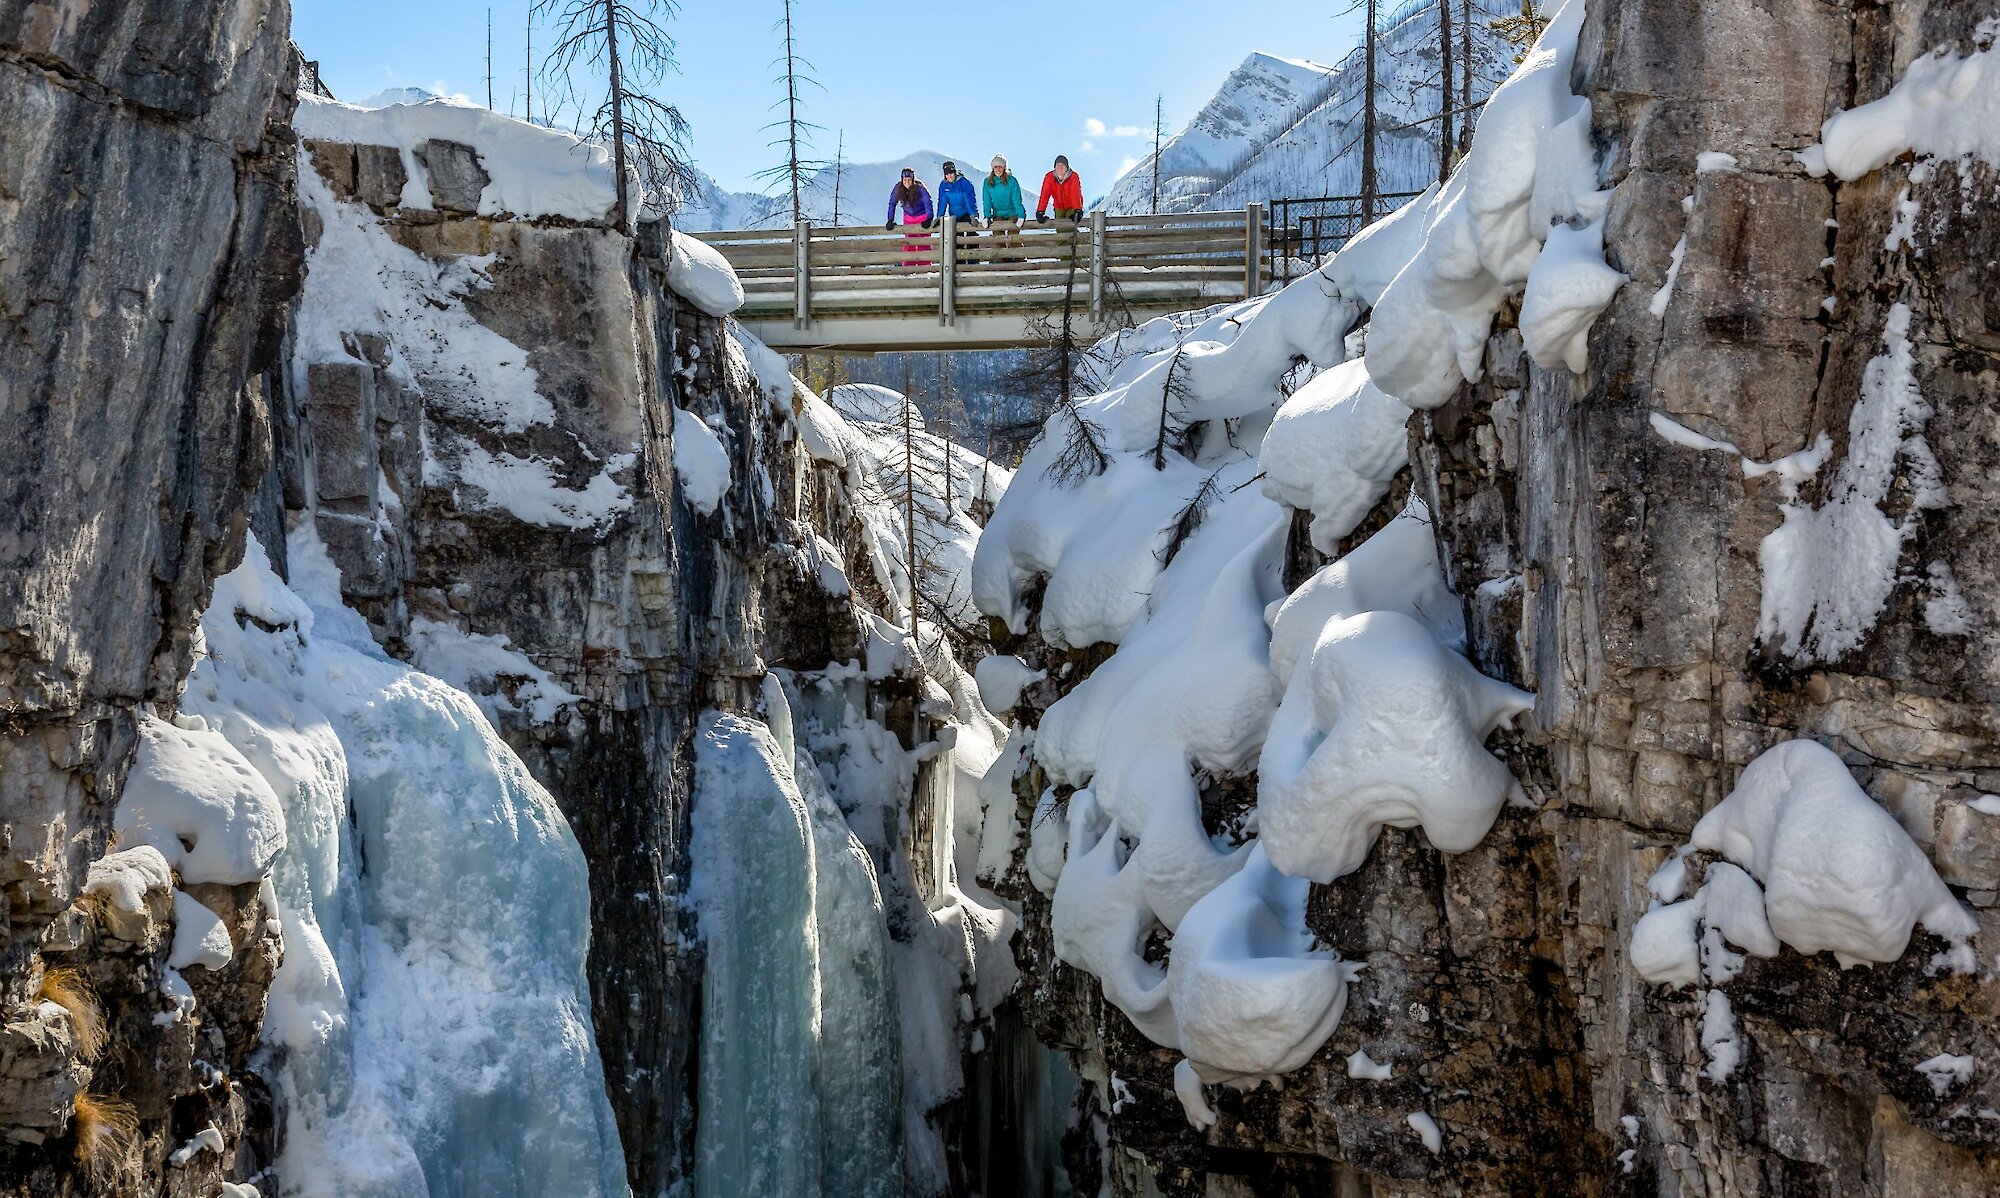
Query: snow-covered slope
[(1310, 147)]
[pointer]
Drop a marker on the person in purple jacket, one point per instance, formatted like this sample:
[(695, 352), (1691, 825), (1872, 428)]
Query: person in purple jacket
[(914, 199)]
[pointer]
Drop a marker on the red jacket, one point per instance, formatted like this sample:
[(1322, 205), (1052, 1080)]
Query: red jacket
[(1068, 193)]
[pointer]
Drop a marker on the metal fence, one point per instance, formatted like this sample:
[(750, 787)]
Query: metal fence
[(1305, 231)]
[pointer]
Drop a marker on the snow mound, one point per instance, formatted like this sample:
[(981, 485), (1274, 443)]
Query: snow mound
[(1333, 449), (193, 797), (873, 404), (1946, 105), (1839, 873), (1394, 570), (1001, 679), (534, 171), (1251, 995), (698, 273), (125, 877), (1530, 178), (700, 461), (1381, 726), (199, 937)]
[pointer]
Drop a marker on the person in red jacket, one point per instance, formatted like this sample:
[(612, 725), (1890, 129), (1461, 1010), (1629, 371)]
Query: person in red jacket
[(1065, 187)]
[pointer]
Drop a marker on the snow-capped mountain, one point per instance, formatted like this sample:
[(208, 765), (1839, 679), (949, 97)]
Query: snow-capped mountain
[(862, 194), (1256, 102), (1310, 148)]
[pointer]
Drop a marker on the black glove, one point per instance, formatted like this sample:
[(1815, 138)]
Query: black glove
[(888, 226), (1041, 218), (929, 221)]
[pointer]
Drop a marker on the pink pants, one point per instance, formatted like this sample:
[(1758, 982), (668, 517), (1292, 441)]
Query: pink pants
[(922, 242)]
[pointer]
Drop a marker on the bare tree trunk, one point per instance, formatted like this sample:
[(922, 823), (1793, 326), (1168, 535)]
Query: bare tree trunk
[(531, 65), (618, 105), (1446, 142), (945, 398), (839, 169), (1159, 130), (1369, 188), (791, 116), (1465, 75), (910, 523), (489, 60)]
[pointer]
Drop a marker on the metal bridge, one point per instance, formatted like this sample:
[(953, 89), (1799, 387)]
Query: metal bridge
[(860, 289)]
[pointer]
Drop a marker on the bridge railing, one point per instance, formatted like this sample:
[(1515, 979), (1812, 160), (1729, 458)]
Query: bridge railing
[(1101, 265), (1306, 230)]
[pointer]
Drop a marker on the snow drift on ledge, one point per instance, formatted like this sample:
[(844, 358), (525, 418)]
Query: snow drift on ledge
[(533, 170)]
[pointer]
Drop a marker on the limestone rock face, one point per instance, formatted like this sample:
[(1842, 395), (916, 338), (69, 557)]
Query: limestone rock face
[(644, 616), (1497, 983), (148, 248)]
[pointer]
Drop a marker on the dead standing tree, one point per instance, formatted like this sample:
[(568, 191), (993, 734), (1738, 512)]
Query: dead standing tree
[(625, 40), (1049, 375), (795, 132), (1370, 185)]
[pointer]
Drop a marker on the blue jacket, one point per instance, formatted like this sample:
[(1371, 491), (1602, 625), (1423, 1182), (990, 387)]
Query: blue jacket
[(957, 197), (922, 208)]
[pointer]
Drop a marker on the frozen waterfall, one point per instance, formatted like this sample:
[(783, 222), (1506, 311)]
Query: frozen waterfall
[(800, 1083), (429, 1031)]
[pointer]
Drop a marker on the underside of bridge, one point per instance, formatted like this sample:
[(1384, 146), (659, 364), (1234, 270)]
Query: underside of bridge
[(890, 333)]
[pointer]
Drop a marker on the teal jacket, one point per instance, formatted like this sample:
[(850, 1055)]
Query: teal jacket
[(1003, 198)]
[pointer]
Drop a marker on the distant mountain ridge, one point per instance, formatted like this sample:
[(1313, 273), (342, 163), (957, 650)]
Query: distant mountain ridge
[(1310, 147)]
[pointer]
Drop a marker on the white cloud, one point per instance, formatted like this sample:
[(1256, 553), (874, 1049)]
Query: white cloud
[(1127, 131), (1092, 127), (1088, 147), (1126, 166)]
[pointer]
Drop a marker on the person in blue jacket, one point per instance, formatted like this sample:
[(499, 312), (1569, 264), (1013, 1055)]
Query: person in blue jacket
[(915, 202), (957, 197)]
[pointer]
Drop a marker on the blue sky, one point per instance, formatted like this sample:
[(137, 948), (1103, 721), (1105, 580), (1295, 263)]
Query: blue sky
[(1027, 80)]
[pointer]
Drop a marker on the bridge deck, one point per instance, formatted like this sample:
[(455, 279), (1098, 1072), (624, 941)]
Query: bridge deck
[(859, 288)]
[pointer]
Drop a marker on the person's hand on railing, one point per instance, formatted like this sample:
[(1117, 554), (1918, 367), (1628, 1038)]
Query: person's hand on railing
[(1041, 218), (888, 226), (929, 221)]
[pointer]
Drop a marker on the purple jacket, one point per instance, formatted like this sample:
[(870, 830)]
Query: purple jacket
[(921, 210)]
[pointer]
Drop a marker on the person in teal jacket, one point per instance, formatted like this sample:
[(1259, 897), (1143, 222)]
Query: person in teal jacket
[(1005, 209)]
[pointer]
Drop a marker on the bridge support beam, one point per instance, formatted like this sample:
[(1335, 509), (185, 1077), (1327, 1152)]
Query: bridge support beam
[(1253, 249), (802, 275), (1097, 267), (948, 274)]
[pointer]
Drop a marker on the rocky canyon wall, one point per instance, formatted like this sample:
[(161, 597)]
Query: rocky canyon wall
[(148, 250), (1618, 568)]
